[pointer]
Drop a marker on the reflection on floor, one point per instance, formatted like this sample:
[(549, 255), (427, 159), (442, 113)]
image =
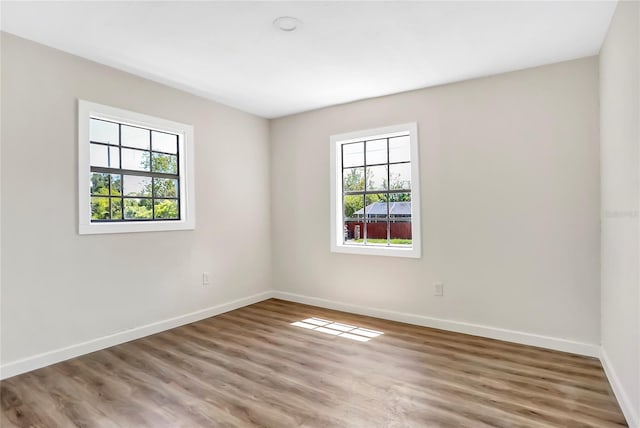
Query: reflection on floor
[(337, 329)]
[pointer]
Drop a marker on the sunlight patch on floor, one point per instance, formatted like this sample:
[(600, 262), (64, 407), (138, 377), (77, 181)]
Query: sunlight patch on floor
[(347, 331)]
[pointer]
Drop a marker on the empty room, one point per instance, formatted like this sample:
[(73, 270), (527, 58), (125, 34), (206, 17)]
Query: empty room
[(320, 214)]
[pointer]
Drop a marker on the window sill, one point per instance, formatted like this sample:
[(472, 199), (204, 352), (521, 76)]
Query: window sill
[(133, 227), (375, 250)]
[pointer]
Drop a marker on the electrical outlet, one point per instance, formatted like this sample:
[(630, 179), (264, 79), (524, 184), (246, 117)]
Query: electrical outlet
[(205, 278), (438, 289)]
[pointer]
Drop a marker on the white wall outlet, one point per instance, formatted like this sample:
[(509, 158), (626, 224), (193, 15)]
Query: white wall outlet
[(205, 278), (438, 289)]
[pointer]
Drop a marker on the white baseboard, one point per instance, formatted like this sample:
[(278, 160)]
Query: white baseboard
[(45, 359), (633, 419), (42, 360), (548, 342)]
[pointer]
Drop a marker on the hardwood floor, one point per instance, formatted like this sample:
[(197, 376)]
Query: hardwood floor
[(251, 367)]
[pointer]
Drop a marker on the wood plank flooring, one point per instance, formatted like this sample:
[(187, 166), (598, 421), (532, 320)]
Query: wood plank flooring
[(252, 368)]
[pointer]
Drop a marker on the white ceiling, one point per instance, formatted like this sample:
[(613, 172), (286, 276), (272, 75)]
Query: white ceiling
[(344, 51)]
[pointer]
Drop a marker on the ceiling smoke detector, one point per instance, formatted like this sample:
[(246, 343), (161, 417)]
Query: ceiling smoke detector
[(286, 23)]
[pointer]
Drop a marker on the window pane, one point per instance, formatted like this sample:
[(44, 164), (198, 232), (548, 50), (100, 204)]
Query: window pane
[(399, 149), (377, 177), (376, 152), (162, 142), (377, 232), (400, 221), (353, 206), (99, 155), (116, 208), (165, 163), (135, 137), (400, 175), (137, 208), (99, 208), (137, 186), (101, 131), (114, 157), (99, 184), (166, 209), (352, 154), (165, 188), (376, 206), (353, 179), (135, 160), (116, 184), (400, 197), (105, 156), (376, 213)]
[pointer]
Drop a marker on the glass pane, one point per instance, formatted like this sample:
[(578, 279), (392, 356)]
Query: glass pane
[(399, 149), (137, 209), (353, 206), (99, 155), (400, 175), (135, 160), (376, 206), (105, 156), (135, 137), (376, 213), (400, 221), (166, 209), (114, 157), (377, 177), (161, 142), (137, 186), (376, 152), (116, 208), (165, 188), (377, 232), (400, 197), (165, 163), (99, 184), (353, 179), (100, 208), (352, 154), (116, 184), (101, 131)]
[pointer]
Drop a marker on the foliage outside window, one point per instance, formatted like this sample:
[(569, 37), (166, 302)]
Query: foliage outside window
[(134, 173), (138, 177), (374, 202)]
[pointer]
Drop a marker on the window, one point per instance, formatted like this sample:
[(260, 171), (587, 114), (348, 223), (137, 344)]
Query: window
[(375, 205), (135, 172)]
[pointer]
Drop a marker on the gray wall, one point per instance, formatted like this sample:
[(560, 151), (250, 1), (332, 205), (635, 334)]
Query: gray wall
[(510, 202), (61, 289), (620, 115)]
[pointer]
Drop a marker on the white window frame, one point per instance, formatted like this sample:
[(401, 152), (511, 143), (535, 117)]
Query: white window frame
[(337, 227), (187, 221)]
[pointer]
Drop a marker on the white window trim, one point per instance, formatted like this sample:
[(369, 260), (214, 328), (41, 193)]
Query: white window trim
[(337, 244), (187, 221)]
